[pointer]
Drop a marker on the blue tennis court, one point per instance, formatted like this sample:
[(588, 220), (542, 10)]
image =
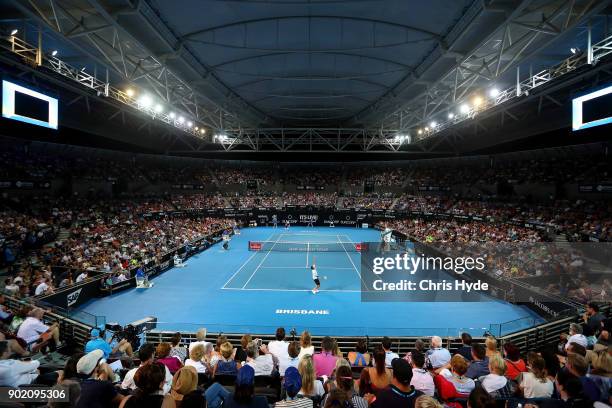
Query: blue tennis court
[(256, 291)]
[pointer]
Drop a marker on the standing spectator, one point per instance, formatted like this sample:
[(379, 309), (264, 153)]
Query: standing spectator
[(592, 317), (148, 394), (480, 362), (421, 379), (389, 355), (306, 346), (437, 355), (360, 357), (96, 391), (14, 373), (162, 353), (535, 383), (401, 394), (292, 383), (466, 346), (177, 351), (278, 347), (325, 361), (311, 387)]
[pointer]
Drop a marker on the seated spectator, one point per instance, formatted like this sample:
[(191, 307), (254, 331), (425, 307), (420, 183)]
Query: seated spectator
[(278, 347), (345, 384), (461, 385), (534, 383), (184, 382), (14, 373), (491, 346), (243, 395), (400, 393), (601, 372), (194, 399), (466, 346), (325, 361), (578, 366), (306, 346), (162, 352), (551, 362), (226, 365), (311, 387), (379, 376), (421, 379), (96, 390), (19, 317), (336, 398), (576, 336), (570, 393), (426, 401), (176, 350), (149, 381), (437, 355), (419, 347), (200, 338), (147, 356), (480, 362), (97, 342), (240, 354), (292, 383), (479, 398), (514, 363), (292, 359), (389, 355), (495, 383), (259, 358), (196, 359), (68, 381), (33, 330), (360, 357)]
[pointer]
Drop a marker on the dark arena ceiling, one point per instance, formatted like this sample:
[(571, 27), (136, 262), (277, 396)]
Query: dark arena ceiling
[(308, 75)]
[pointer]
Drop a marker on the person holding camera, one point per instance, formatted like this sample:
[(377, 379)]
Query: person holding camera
[(259, 358), (97, 342)]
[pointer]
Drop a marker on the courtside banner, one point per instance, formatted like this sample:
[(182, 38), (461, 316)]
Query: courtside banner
[(479, 272)]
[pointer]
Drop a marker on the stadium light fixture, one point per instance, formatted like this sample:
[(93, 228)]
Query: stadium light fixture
[(494, 92), (464, 108), (574, 50), (54, 53), (427, 128), (181, 119), (451, 115), (129, 92), (14, 32), (202, 131), (197, 128), (158, 108), (477, 101), (433, 124), (145, 100), (172, 115), (189, 124), (420, 131)]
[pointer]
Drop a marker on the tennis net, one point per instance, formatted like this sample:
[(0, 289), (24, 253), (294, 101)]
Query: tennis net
[(284, 246)]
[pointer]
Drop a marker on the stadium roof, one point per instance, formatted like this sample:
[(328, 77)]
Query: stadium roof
[(377, 64)]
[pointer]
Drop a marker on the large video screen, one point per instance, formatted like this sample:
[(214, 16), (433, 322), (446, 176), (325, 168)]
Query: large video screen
[(29, 106), (592, 109)]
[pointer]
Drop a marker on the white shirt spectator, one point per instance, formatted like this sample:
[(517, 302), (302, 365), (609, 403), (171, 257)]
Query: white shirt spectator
[(535, 388), (306, 351), (283, 364), (12, 288), (41, 288), (493, 382), (389, 357), (81, 277), (129, 384), (198, 365), (578, 339), (279, 349), (31, 329), (195, 343), (14, 373), (263, 364), (423, 381)]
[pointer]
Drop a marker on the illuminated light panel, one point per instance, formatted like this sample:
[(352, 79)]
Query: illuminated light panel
[(8, 105), (577, 123)]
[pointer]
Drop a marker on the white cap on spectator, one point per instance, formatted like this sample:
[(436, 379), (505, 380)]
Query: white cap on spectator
[(88, 363)]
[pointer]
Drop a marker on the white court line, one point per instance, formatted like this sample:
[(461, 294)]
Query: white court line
[(351, 259), (262, 261), (301, 267), (243, 265), (294, 290)]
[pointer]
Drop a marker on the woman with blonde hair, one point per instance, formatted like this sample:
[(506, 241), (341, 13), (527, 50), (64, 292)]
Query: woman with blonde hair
[(196, 357), (496, 383), (311, 387), (226, 365), (306, 347), (491, 345), (425, 401)]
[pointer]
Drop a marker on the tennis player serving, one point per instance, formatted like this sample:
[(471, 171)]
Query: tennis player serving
[(315, 277)]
